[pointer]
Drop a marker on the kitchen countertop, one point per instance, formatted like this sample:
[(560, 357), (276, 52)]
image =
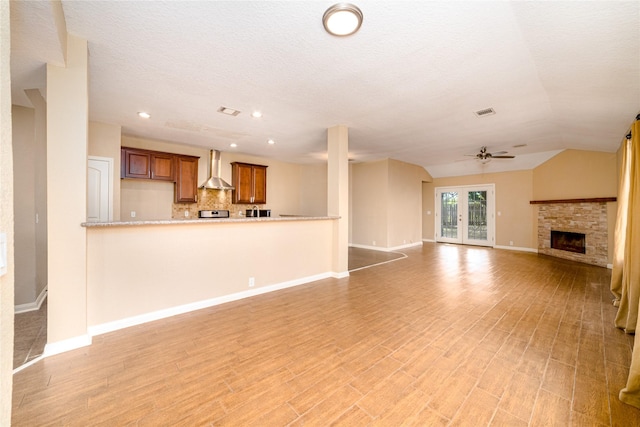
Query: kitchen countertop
[(205, 221)]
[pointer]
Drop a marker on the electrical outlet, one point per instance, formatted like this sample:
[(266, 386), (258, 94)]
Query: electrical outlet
[(510, 242), (252, 282), (374, 243), (186, 214), (133, 214)]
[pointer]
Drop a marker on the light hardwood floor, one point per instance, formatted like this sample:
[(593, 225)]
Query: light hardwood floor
[(451, 335)]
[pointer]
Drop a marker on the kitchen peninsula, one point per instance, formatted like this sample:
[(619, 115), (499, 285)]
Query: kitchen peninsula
[(139, 271)]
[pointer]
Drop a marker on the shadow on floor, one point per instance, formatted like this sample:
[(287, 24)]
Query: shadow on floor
[(30, 335), (363, 258)]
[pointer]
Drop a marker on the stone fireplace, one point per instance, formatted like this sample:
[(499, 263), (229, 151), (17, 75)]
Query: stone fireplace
[(574, 223)]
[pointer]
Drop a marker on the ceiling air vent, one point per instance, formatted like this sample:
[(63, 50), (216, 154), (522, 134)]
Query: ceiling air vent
[(228, 111), (485, 112)]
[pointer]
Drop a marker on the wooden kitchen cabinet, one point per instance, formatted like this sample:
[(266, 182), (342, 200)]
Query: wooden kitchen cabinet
[(162, 166), (186, 179), (250, 182), (135, 163), (146, 164)]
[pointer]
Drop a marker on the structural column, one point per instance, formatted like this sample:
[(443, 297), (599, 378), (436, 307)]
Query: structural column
[(67, 135), (338, 195)]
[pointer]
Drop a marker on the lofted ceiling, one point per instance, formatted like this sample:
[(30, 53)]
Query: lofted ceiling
[(559, 75)]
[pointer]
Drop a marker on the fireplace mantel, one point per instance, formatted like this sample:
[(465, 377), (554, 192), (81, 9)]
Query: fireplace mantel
[(592, 200)]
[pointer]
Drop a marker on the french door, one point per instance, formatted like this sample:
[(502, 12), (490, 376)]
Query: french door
[(465, 215)]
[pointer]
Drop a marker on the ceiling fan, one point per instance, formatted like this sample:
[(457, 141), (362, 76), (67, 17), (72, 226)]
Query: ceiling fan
[(485, 157)]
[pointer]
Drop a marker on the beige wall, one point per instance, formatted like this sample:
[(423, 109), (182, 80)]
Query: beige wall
[(387, 203), (40, 191), (29, 156), (405, 203), (574, 174), (313, 190), (104, 141), (200, 261), (6, 219), (514, 214), (67, 133), (369, 198), (23, 123)]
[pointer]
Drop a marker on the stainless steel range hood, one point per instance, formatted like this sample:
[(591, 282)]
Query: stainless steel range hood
[(215, 182)]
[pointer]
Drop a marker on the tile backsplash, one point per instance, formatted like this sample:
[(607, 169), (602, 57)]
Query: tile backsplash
[(209, 199)]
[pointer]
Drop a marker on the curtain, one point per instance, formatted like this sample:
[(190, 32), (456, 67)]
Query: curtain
[(625, 278)]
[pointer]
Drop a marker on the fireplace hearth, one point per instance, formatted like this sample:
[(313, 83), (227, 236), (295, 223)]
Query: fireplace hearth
[(568, 241)]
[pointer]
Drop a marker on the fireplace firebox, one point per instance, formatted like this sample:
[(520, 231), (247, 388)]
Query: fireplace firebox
[(568, 241)]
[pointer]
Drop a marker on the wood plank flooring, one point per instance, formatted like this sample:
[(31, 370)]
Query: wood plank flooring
[(451, 335)]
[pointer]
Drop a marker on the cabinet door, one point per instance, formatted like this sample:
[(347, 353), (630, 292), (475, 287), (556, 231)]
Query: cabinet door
[(162, 167), (186, 180), (243, 183), (136, 164), (259, 184)]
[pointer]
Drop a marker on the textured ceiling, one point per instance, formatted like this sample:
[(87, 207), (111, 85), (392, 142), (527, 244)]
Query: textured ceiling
[(558, 74)]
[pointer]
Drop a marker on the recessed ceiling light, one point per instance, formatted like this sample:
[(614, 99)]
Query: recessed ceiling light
[(256, 114), (228, 111), (342, 19), (270, 141), (233, 145), (144, 115)]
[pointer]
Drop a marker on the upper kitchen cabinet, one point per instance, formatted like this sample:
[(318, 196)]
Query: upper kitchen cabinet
[(250, 182), (160, 166), (145, 164), (186, 179)]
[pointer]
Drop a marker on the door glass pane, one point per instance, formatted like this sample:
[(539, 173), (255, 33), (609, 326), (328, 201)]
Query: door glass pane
[(449, 215), (477, 221)]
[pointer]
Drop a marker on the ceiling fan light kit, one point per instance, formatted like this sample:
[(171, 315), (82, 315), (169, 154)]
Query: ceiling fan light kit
[(485, 157)]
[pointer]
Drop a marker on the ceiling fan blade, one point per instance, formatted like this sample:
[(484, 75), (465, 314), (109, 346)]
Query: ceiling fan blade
[(503, 157), (498, 153)]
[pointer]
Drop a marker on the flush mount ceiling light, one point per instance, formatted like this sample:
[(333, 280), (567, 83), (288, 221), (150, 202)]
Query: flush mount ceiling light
[(256, 114), (143, 115), (233, 145), (342, 19), (270, 141)]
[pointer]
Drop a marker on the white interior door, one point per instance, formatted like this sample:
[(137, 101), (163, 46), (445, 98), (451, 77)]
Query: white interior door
[(99, 189), (465, 215)]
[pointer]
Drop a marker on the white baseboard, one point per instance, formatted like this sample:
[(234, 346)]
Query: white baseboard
[(340, 275), (516, 248), (181, 309), (32, 306), (381, 249), (66, 345)]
